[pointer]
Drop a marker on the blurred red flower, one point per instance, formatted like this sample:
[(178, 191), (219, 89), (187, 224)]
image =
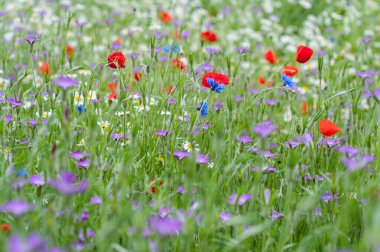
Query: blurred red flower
[(328, 128), (209, 36), (271, 57), (217, 77), (304, 53), (116, 57)]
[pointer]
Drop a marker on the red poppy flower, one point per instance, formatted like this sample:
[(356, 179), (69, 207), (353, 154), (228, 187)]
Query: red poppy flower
[(209, 36), (220, 78), (290, 71), (271, 57), (69, 51), (112, 87), (137, 76), (179, 64), (170, 90), (6, 227), (304, 53), (45, 68), (328, 128), (112, 96), (153, 189), (262, 80), (165, 17), (118, 58)]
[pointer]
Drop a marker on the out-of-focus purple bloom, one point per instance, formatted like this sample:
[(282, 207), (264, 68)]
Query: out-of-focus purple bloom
[(329, 142), (291, 144), (349, 150), (171, 100), (270, 102), (163, 212), (225, 216), (368, 158), (66, 184), (180, 154), (243, 139), (233, 199), (238, 98), (207, 67), (366, 40), (95, 200), (19, 183), (165, 226), (79, 155), (212, 51), (307, 176), (266, 169), (181, 189), (276, 215), (327, 197), (265, 129), (8, 118), (36, 180), (32, 122), (218, 105), (30, 244), (318, 212), (16, 207), (267, 194), (65, 82), (267, 154), (134, 55), (376, 93), (242, 50), (84, 163), (354, 163), (202, 159)]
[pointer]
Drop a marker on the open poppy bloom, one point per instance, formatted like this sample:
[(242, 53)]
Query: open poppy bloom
[(179, 64), (304, 53), (290, 71), (6, 227), (69, 51), (328, 128), (209, 36), (112, 96), (165, 17), (271, 57), (45, 68), (215, 81), (118, 58)]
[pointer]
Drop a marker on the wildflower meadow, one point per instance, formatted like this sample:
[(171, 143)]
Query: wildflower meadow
[(189, 125)]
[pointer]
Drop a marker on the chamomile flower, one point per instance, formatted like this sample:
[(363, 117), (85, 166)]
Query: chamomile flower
[(78, 99), (92, 95), (81, 142), (187, 146), (105, 126), (4, 83), (44, 114)]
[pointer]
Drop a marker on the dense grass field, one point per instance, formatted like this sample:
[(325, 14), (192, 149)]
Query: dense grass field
[(190, 125)]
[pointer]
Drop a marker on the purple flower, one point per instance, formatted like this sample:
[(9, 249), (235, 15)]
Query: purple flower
[(78, 155), (180, 154), (306, 138), (163, 212), (202, 159), (327, 197), (30, 244), (307, 177), (270, 102), (8, 118), (242, 50), (165, 226), (328, 142), (291, 144), (243, 139), (65, 82), (277, 215), (225, 216), (16, 207), (32, 122), (84, 163), (162, 133), (36, 180), (233, 199), (267, 196), (218, 105), (171, 100), (349, 150), (96, 200), (115, 136), (354, 163), (67, 185), (32, 38), (181, 189), (318, 212), (366, 40), (376, 93), (238, 98), (212, 51), (14, 103), (265, 129), (134, 55)]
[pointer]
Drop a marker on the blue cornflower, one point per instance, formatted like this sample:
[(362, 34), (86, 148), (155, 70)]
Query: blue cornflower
[(203, 107), (215, 85), (288, 81), (80, 108), (22, 172), (168, 48)]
